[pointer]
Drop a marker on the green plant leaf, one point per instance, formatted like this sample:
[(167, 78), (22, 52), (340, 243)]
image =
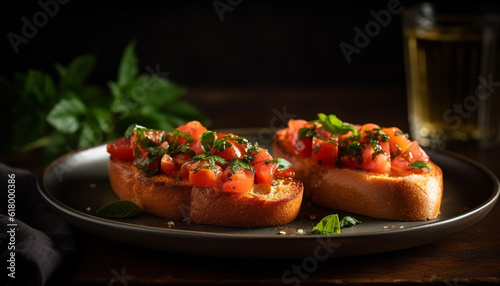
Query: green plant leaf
[(331, 224), (120, 209), (128, 68), (419, 165), (283, 164), (156, 91), (103, 118), (336, 126), (40, 85), (208, 141), (77, 71), (328, 225), (64, 116), (348, 221)]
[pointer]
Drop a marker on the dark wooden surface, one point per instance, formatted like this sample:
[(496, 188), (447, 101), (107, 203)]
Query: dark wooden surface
[(471, 256)]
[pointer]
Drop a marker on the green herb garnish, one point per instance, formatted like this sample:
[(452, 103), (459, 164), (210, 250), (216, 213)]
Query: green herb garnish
[(120, 209), (334, 125), (282, 163), (332, 225), (66, 112), (236, 165), (419, 165)]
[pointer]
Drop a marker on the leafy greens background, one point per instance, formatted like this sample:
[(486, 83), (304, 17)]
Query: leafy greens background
[(64, 113)]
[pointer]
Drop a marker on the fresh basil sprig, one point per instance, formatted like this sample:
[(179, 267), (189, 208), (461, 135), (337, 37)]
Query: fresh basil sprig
[(334, 125), (67, 112), (419, 165), (236, 165), (332, 225), (120, 209), (283, 164)]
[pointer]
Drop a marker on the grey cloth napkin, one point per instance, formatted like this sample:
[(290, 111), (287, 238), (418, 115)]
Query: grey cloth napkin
[(42, 240)]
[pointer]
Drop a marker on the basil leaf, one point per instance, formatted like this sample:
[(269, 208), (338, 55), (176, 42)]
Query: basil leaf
[(77, 71), (208, 141), (130, 130), (307, 132), (65, 115), (120, 209), (236, 165), (283, 164), (331, 224), (419, 165), (328, 225), (211, 159), (348, 221), (128, 70), (332, 124), (354, 148)]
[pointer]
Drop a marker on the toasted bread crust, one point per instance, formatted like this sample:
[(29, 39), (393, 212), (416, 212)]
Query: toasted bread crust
[(264, 205), (158, 195), (408, 198)]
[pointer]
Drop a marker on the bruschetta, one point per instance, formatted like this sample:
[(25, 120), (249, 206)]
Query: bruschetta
[(205, 177), (363, 169)]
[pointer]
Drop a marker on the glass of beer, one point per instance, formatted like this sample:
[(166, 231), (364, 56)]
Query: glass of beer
[(452, 61)]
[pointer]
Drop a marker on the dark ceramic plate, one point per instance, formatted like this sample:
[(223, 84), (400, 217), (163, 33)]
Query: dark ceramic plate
[(76, 185)]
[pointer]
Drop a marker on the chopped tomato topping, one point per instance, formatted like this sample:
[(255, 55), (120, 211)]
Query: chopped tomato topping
[(398, 140), (196, 146), (241, 181), (324, 152), (227, 161), (402, 163), (235, 150), (168, 166), (330, 142), (121, 148), (287, 173), (193, 128), (264, 172), (260, 156), (204, 176)]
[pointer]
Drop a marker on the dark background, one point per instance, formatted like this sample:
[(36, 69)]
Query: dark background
[(259, 43)]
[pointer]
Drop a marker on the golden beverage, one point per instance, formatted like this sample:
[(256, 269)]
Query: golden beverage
[(453, 79)]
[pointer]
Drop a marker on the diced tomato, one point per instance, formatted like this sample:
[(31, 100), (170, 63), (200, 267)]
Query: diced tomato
[(287, 173), (193, 128), (205, 177), (168, 166), (344, 137), (121, 148), (180, 160), (297, 124), (412, 154), (398, 140), (379, 163), (264, 172), (304, 147), (301, 147), (324, 152), (233, 151), (196, 146), (366, 130), (239, 182), (349, 161), (260, 156), (155, 135)]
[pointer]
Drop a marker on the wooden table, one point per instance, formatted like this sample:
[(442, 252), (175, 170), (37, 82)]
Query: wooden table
[(470, 256)]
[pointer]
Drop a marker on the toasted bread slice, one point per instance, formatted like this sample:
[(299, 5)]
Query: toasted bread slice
[(408, 198), (264, 205), (156, 195)]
